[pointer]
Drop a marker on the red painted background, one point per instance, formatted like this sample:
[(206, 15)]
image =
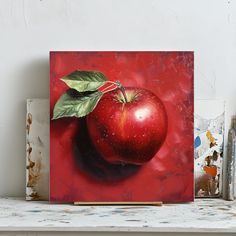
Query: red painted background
[(168, 176)]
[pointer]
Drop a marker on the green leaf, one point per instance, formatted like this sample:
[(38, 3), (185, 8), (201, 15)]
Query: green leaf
[(85, 80), (73, 103)]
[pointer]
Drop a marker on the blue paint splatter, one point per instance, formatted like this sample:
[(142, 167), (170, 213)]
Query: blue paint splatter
[(197, 142)]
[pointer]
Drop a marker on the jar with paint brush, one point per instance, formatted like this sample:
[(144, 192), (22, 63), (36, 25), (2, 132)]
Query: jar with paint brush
[(229, 165)]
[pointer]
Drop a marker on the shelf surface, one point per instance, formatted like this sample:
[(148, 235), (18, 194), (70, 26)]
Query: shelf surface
[(204, 215)]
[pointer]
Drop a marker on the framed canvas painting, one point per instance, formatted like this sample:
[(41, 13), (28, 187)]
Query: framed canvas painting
[(121, 126)]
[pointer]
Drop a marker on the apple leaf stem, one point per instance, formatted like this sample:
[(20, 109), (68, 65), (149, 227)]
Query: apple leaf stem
[(112, 82), (110, 88)]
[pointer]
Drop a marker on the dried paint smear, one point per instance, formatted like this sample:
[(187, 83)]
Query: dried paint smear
[(37, 149), (208, 147)]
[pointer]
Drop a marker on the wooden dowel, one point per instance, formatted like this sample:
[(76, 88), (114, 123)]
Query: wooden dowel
[(118, 203)]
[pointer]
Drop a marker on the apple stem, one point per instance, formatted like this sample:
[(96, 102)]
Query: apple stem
[(122, 89), (117, 84)]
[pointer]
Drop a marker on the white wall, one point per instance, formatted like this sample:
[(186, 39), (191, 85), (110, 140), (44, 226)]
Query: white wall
[(29, 29)]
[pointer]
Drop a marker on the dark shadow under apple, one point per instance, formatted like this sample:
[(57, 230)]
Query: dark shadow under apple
[(90, 161)]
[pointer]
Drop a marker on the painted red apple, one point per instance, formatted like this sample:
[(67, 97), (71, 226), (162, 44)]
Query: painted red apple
[(128, 126)]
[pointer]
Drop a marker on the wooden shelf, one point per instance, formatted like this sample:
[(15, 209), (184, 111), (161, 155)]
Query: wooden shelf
[(204, 215)]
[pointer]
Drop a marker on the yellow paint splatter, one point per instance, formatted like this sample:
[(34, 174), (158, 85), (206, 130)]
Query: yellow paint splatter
[(210, 137)]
